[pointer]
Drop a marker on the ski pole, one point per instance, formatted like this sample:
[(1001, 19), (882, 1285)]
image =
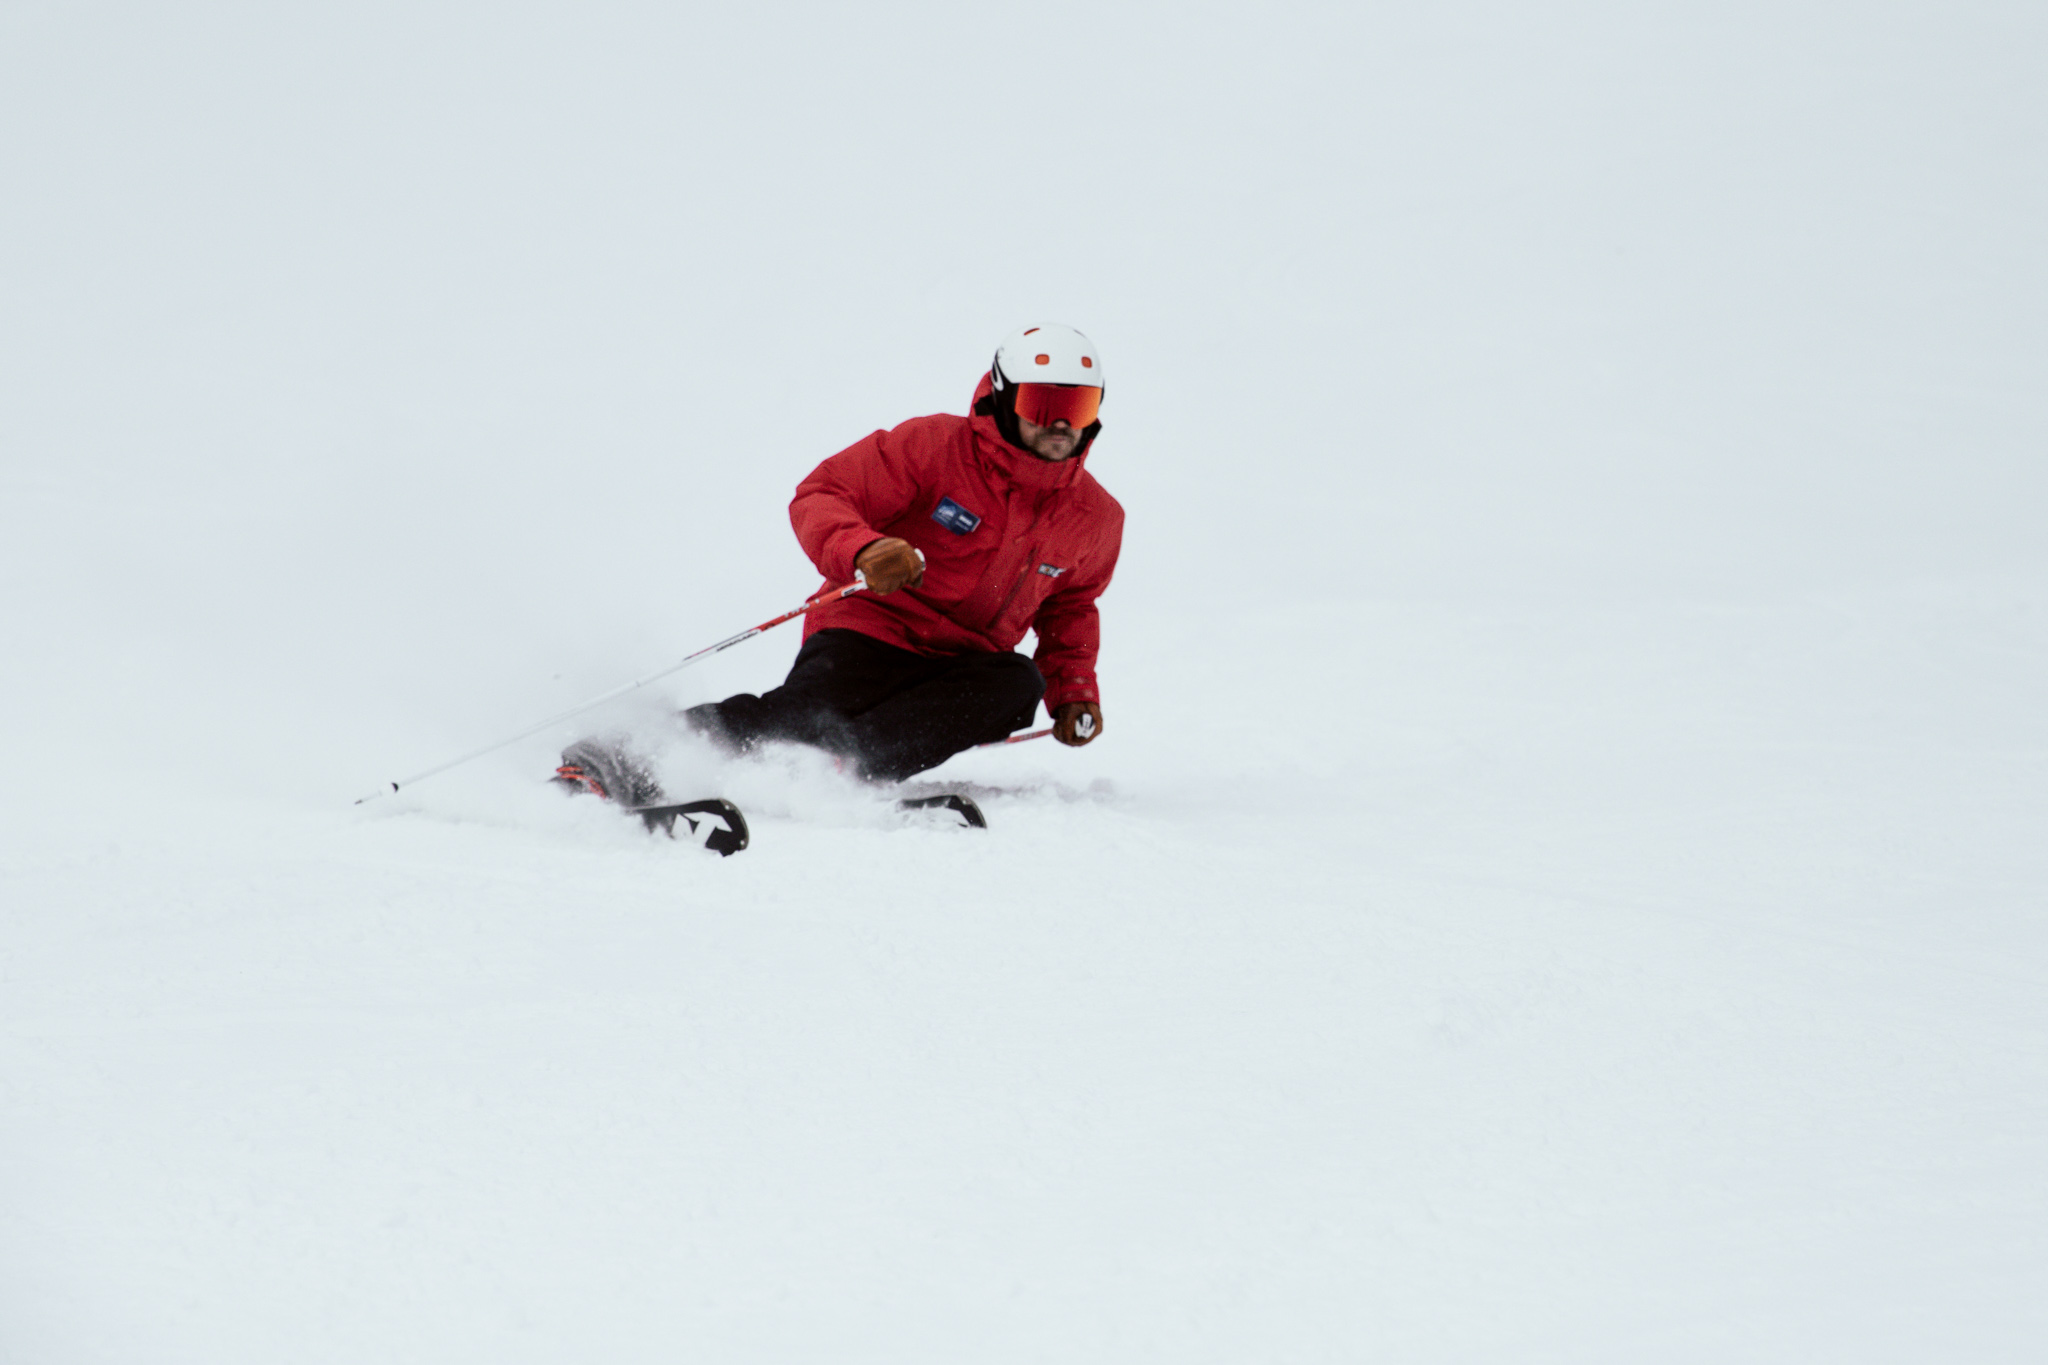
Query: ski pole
[(1084, 727), (1015, 739), (829, 595)]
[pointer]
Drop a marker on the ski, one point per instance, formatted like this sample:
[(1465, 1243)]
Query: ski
[(962, 806), (715, 824)]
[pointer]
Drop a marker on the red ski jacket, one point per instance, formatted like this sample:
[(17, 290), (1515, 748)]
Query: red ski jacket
[(1011, 543)]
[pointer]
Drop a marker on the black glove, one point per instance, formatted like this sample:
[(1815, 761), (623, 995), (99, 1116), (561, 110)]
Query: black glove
[(890, 564), (1076, 722)]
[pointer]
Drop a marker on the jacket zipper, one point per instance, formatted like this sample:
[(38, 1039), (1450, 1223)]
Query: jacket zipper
[(1016, 587), (1030, 559)]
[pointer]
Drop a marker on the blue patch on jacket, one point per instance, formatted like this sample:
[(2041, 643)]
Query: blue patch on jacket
[(954, 517)]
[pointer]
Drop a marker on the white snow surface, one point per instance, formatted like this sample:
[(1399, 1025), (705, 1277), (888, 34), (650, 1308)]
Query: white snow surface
[(1564, 875)]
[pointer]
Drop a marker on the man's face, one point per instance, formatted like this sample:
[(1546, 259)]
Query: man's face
[(1056, 442)]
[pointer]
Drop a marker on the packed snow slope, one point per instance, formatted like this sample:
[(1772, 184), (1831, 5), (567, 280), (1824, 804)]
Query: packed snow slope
[(1563, 877)]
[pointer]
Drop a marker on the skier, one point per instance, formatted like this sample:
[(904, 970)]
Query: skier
[(968, 531)]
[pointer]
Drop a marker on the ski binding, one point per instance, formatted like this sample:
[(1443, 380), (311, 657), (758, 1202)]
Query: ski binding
[(962, 806), (715, 824)]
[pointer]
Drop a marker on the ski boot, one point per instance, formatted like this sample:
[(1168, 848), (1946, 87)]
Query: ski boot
[(605, 769)]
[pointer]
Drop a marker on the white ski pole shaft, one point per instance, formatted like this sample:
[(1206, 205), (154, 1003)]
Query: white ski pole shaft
[(829, 595)]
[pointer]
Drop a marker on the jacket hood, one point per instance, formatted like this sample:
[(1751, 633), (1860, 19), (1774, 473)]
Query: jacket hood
[(1013, 459)]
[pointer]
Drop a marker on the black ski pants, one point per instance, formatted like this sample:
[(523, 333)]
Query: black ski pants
[(891, 711)]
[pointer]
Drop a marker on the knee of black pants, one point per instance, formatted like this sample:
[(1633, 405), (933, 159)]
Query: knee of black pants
[(1018, 683), (1030, 682)]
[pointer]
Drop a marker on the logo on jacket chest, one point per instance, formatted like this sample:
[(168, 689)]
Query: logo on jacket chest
[(1049, 571), (954, 517)]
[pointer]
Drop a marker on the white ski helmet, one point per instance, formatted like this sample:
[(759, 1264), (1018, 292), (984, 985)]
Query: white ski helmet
[(1046, 354)]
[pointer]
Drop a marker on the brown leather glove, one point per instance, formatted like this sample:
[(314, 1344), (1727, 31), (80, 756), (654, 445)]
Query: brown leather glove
[(889, 564), (1076, 722)]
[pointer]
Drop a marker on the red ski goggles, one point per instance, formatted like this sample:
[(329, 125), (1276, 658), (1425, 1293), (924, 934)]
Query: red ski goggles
[(1043, 404)]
